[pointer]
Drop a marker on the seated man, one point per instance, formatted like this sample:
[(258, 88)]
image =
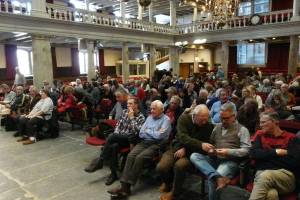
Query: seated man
[(154, 132), (28, 123), (229, 142), (193, 133), (277, 159), (125, 135), (18, 107), (215, 109)]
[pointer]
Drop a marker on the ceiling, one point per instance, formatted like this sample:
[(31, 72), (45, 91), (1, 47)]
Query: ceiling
[(159, 7)]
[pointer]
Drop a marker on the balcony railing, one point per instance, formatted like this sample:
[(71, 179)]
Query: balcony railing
[(237, 22), (7, 6), (84, 16), (63, 13)]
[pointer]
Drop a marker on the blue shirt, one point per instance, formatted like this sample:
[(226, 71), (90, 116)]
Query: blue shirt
[(215, 112), (156, 128)]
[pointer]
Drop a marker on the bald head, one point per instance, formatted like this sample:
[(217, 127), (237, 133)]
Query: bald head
[(200, 115)]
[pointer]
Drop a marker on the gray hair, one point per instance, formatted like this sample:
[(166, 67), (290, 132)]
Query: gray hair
[(177, 99), (271, 115), (158, 104), (229, 106), (33, 88), (121, 92), (203, 91), (200, 108)]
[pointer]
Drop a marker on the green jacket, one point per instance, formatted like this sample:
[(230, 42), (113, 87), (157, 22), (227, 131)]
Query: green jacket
[(190, 135)]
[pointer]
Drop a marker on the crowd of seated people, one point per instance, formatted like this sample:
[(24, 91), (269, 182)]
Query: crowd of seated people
[(202, 124)]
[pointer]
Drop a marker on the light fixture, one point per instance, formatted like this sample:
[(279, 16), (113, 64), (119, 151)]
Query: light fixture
[(273, 38), (184, 42), (219, 11), (200, 41), (178, 44)]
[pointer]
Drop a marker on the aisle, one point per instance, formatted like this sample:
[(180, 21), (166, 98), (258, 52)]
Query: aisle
[(53, 169)]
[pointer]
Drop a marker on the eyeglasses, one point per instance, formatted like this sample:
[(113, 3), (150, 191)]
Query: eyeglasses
[(226, 118), (263, 122)]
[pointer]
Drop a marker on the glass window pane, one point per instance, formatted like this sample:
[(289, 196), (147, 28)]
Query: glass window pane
[(142, 69), (244, 8), (23, 57), (261, 6), (251, 54), (133, 69), (83, 62)]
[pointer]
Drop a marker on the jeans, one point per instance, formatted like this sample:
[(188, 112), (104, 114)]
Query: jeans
[(213, 167)]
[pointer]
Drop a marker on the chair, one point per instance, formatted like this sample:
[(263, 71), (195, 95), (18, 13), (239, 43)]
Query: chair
[(102, 109), (290, 125)]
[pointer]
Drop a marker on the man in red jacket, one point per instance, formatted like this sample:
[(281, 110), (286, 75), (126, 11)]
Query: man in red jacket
[(277, 159)]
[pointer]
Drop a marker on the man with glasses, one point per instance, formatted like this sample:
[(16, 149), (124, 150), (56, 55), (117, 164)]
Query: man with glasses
[(229, 142), (277, 159)]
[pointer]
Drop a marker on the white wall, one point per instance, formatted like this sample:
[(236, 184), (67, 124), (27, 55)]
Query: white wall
[(111, 56), (185, 19), (2, 57), (189, 56), (63, 57), (218, 55)]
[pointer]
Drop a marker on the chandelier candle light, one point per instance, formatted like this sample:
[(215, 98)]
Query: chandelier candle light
[(218, 11)]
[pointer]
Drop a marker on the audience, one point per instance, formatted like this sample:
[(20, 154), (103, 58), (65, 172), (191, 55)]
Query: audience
[(193, 132), (229, 142), (41, 112), (277, 159), (153, 134), (125, 135), (177, 135)]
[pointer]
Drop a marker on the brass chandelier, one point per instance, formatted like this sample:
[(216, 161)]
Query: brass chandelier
[(218, 11)]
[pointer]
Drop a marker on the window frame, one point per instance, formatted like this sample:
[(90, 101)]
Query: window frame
[(30, 60), (253, 5), (252, 64)]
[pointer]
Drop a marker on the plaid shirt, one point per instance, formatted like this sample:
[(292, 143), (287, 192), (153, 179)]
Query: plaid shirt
[(127, 126)]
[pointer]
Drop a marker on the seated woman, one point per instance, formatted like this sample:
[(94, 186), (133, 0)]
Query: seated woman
[(173, 111), (41, 112), (275, 102), (17, 108), (125, 135), (66, 100), (248, 115)]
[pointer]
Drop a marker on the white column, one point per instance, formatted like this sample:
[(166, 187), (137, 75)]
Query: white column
[(152, 60), (225, 57), (195, 15), (151, 12), (87, 4), (42, 60), (293, 55), (38, 8), (125, 64), (196, 62), (140, 11), (122, 11), (174, 59), (296, 10), (173, 12), (91, 62)]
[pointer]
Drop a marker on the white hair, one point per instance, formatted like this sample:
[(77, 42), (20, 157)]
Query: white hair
[(200, 108), (158, 104)]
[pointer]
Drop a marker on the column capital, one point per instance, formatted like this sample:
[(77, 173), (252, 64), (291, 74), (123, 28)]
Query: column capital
[(41, 37)]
